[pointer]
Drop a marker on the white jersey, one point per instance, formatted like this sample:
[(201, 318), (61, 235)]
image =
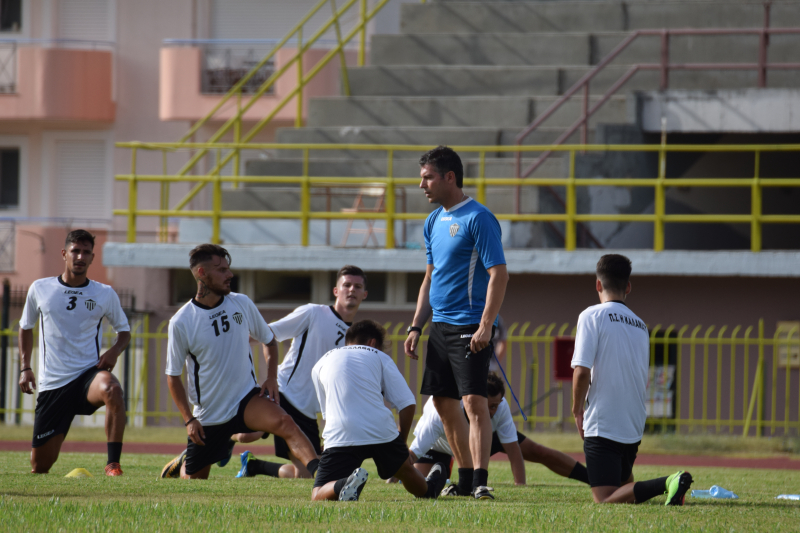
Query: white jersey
[(615, 344), (70, 329), (352, 383), (429, 432), (314, 330), (214, 343)]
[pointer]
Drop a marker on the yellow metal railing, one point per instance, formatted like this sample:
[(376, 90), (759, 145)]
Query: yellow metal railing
[(571, 217), (732, 384)]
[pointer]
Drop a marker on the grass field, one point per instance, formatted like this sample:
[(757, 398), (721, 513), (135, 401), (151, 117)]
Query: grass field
[(139, 500)]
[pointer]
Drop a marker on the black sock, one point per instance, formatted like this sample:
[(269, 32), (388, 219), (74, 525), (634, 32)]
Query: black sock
[(114, 452), (338, 486), (263, 468), (480, 477), (644, 490), (312, 466), (579, 473), (464, 481)]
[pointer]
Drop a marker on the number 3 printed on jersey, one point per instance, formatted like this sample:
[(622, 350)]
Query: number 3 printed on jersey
[(225, 325), (72, 303)]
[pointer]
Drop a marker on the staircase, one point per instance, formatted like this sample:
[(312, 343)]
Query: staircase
[(477, 73)]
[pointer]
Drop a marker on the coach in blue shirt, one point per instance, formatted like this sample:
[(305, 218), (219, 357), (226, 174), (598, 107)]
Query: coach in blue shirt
[(464, 286)]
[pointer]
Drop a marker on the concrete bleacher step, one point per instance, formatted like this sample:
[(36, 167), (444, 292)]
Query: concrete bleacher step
[(466, 111), (384, 135), (478, 80), (568, 16), (573, 48), (402, 168)]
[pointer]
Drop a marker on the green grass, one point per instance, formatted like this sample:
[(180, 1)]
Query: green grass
[(139, 500)]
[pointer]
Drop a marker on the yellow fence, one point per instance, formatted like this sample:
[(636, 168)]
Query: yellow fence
[(734, 381), (391, 183)]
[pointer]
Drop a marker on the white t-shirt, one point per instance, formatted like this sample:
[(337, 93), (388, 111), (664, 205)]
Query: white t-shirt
[(70, 330), (615, 344), (352, 383), (214, 343), (429, 432), (314, 330)]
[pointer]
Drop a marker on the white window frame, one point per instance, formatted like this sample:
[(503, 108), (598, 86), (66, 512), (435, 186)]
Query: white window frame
[(49, 172), (21, 143)]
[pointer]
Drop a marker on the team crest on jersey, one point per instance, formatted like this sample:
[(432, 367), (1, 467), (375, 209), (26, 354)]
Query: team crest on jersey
[(454, 229), (237, 316), (90, 304)]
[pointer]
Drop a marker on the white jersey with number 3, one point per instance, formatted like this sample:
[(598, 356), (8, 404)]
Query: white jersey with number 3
[(314, 330), (70, 329), (214, 344)]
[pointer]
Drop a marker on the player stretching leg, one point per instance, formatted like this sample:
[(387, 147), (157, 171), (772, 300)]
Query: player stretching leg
[(211, 335), (611, 359), (74, 377), (314, 330), (430, 444), (351, 384), (464, 286)]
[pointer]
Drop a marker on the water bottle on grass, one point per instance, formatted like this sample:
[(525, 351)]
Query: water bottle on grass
[(716, 492)]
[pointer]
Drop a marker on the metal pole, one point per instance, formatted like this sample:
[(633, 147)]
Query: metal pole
[(4, 347), (664, 60)]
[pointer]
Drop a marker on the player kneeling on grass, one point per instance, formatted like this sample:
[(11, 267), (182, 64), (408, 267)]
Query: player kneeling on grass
[(211, 335), (611, 362), (74, 377), (352, 383), (430, 445)]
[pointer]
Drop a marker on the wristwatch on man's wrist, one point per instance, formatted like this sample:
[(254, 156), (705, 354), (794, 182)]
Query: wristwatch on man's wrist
[(413, 328)]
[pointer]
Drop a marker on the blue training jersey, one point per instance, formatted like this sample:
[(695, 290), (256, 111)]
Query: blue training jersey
[(461, 244)]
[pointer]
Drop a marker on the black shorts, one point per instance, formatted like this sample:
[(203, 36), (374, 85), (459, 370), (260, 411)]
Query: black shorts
[(307, 425), (339, 462), (448, 370), (217, 437), (432, 456), (56, 408), (608, 462)]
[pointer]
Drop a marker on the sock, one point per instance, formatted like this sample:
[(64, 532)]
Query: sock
[(312, 466), (338, 486), (263, 468), (579, 473), (464, 481), (480, 478), (644, 490), (114, 452)]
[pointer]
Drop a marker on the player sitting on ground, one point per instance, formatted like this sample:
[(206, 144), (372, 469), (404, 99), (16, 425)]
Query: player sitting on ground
[(352, 383), (314, 330), (211, 336), (430, 445), (74, 378), (611, 362)]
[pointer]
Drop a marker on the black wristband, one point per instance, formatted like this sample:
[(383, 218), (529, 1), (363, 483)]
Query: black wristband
[(413, 328), (25, 369), (190, 421)]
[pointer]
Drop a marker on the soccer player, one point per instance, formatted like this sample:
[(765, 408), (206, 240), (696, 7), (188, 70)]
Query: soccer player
[(74, 377), (352, 383), (211, 336), (314, 330), (430, 445), (611, 359), (464, 285)]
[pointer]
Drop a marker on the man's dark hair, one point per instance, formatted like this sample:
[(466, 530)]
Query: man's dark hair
[(614, 271), (79, 235), (204, 252), (444, 160), (495, 385), (350, 270), (365, 330)]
